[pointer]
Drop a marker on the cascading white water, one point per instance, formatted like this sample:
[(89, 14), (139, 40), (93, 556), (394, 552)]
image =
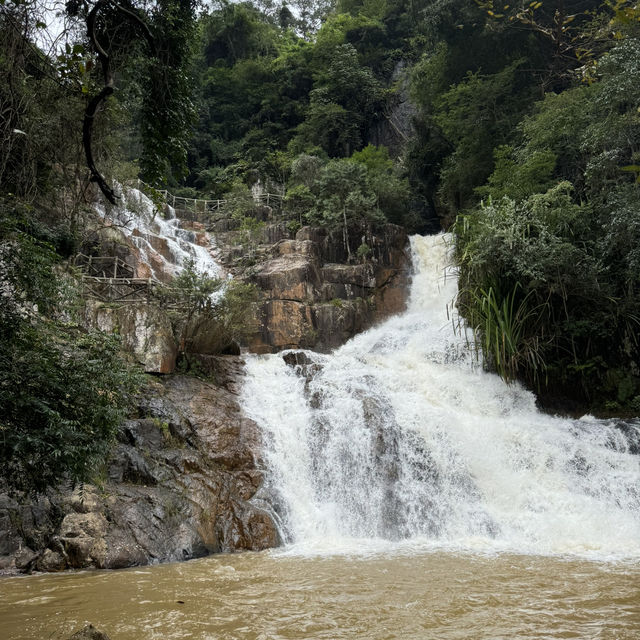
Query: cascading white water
[(163, 244), (399, 440)]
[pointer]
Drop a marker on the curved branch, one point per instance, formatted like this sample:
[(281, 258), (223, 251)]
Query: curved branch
[(91, 32), (146, 32), (107, 90), (87, 130)]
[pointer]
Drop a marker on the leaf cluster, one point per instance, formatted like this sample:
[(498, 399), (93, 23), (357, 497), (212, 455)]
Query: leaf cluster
[(562, 256), (208, 315)]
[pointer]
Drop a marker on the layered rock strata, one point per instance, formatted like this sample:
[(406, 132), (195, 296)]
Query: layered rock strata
[(313, 297)]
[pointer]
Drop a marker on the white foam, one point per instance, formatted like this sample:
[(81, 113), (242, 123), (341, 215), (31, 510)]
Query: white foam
[(145, 227), (403, 443)]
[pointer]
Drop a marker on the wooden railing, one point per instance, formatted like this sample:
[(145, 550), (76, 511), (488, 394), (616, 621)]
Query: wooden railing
[(111, 279), (121, 290), (200, 210), (103, 266)]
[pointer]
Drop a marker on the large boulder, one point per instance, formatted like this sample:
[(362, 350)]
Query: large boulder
[(145, 330)]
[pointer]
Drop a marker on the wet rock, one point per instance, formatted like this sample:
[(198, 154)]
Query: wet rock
[(51, 561), (182, 483), (347, 281), (286, 324), (304, 365), (224, 225), (84, 499), (89, 633), (27, 526), (130, 466), (272, 233), (314, 299), (338, 321), (145, 433), (397, 127), (316, 235), (7, 564), (24, 559), (296, 247), (145, 330), (289, 277), (293, 358)]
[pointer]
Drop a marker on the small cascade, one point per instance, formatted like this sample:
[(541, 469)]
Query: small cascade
[(399, 440), (162, 243)]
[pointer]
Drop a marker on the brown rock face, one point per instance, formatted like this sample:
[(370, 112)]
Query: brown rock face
[(286, 324), (290, 277), (144, 328), (314, 299), (181, 483)]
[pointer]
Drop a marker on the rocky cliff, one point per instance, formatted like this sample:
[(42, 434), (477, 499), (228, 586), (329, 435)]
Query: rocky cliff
[(312, 296), (182, 481), (314, 293), (184, 478)]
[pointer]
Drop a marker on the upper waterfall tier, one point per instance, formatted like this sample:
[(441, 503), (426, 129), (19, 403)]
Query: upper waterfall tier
[(399, 439), (163, 245)]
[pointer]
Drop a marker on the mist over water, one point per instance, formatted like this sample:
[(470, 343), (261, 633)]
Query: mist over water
[(399, 441)]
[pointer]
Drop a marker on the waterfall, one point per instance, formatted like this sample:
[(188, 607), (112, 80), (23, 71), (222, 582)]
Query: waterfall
[(400, 440), (164, 246)]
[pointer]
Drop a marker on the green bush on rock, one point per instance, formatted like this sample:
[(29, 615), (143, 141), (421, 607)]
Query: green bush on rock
[(207, 315)]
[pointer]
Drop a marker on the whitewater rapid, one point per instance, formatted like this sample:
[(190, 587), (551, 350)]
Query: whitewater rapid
[(399, 441)]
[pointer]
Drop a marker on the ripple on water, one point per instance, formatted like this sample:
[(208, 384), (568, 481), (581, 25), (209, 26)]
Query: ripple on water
[(251, 596)]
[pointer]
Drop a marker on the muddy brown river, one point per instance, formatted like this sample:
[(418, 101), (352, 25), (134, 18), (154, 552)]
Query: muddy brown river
[(272, 595)]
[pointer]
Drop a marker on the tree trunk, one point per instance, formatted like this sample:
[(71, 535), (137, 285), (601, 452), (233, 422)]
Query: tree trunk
[(345, 233)]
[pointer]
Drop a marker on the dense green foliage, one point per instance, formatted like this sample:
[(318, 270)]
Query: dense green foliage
[(557, 239), (63, 390), (515, 125), (167, 111), (207, 314), (268, 96)]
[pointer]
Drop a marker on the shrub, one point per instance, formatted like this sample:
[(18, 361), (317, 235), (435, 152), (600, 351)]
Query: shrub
[(207, 314), (63, 390)]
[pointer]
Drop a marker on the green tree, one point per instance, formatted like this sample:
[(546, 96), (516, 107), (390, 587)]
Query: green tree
[(518, 179), (168, 112), (345, 99), (209, 316), (345, 199), (63, 390), (473, 115), (390, 188)]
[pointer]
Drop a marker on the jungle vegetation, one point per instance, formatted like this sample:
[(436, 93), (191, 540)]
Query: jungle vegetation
[(516, 126), (523, 133)]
